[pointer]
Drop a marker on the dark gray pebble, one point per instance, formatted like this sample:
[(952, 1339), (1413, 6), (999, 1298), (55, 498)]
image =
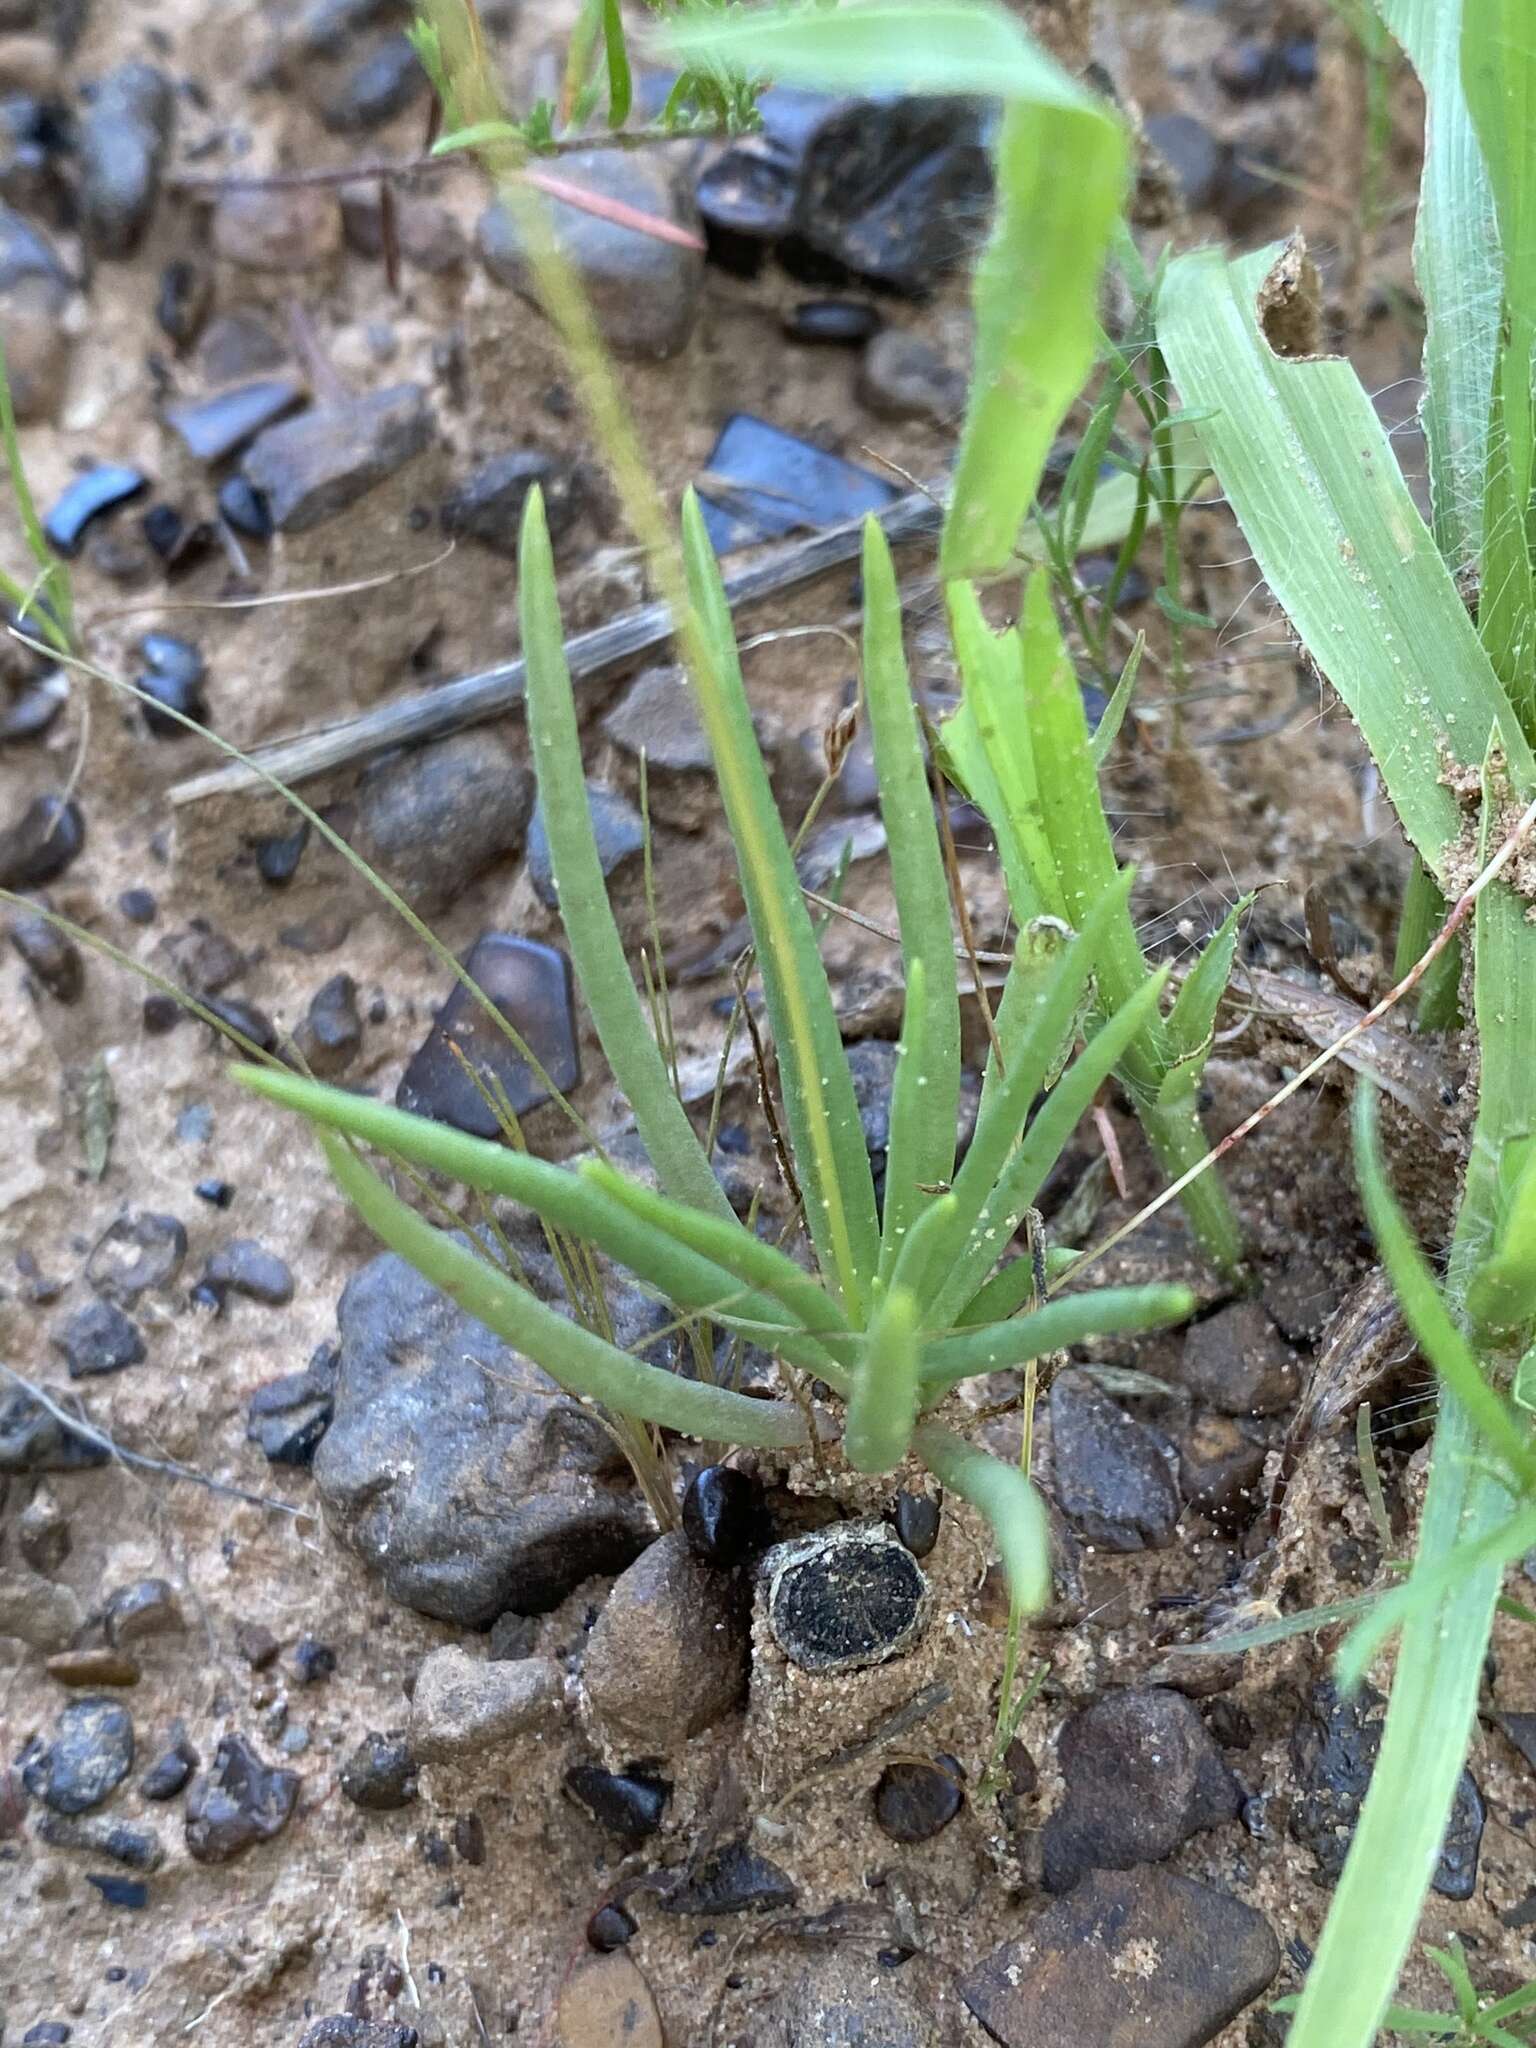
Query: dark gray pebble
[(98, 1339), (488, 505), (310, 469), (52, 956), (34, 708), (170, 1771), (617, 827), (379, 1775), (244, 1018), (129, 1892), (842, 323), (138, 1848), (214, 428), (245, 1267), (44, 841), (346, 2032), (313, 1661), (90, 1755), (734, 1879), (531, 985), (218, 1194), (124, 136), (629, 1804), (1112, 1481), (382, 85), (141, 1250), (289, 1416), (331, 1034), (99, 490), (239, 1802), (138, 906), (914, 1801), (277, 859), (610, 1927), (184, 300), (245, 509)]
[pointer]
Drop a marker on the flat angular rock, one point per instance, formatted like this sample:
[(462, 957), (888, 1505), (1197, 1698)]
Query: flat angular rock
[(239, 1802), (1142, 1775), (457, 1469), (762, 482), (1133, 1959), (1112, 1481), (309, 469), (734, 1879), (141, 1250), (214, 428), (98, 1339), (531, 985), (668, 1655), (1237, 1362), (657, 716)]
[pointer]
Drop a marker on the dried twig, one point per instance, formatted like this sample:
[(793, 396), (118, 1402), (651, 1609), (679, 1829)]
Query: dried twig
[(427, 714)]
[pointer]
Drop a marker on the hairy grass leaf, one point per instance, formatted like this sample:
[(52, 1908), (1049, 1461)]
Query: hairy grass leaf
[(1308, 468)]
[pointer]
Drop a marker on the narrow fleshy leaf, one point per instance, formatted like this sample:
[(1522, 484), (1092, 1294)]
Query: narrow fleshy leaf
[(1010, 1503), (1070, 1319), (820, 1108), (925, 1097), (1190, 1025), (581, 1362), (882, 1404), (602, 968)]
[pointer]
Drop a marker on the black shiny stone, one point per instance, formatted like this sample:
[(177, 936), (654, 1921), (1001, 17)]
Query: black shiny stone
[(173, 695), (723, 1517), (217, 1193), (169, 1772), (244, 1018), (629, 1804), (531, 986), (162, 1013), (762, 483), (838, 323), (917, 1521), (130, 1892), (99, 490)]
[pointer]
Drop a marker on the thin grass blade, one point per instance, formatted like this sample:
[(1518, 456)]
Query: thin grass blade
[(921, 1152)]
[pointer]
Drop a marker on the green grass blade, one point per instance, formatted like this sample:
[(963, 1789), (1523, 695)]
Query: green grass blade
[(1501, 1298), (990, 718), (56, 618), (1062, 161), (1007, 1499), (1070, 1319), (1310, 473), (882, 1405), (581, 1362), (1107, 731), (620, 84), (820, 1108), (1455, 259), (1424, 1307), (1042, 1145), (602, 970), (926, 1093), (1191, 1023)]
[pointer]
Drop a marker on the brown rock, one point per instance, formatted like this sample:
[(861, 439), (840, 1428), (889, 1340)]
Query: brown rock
[(606, 2003), (463, 1704), (37, 1612), (1135, 1959), (1237, 1362), (668, 1656), (94, 1667)]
